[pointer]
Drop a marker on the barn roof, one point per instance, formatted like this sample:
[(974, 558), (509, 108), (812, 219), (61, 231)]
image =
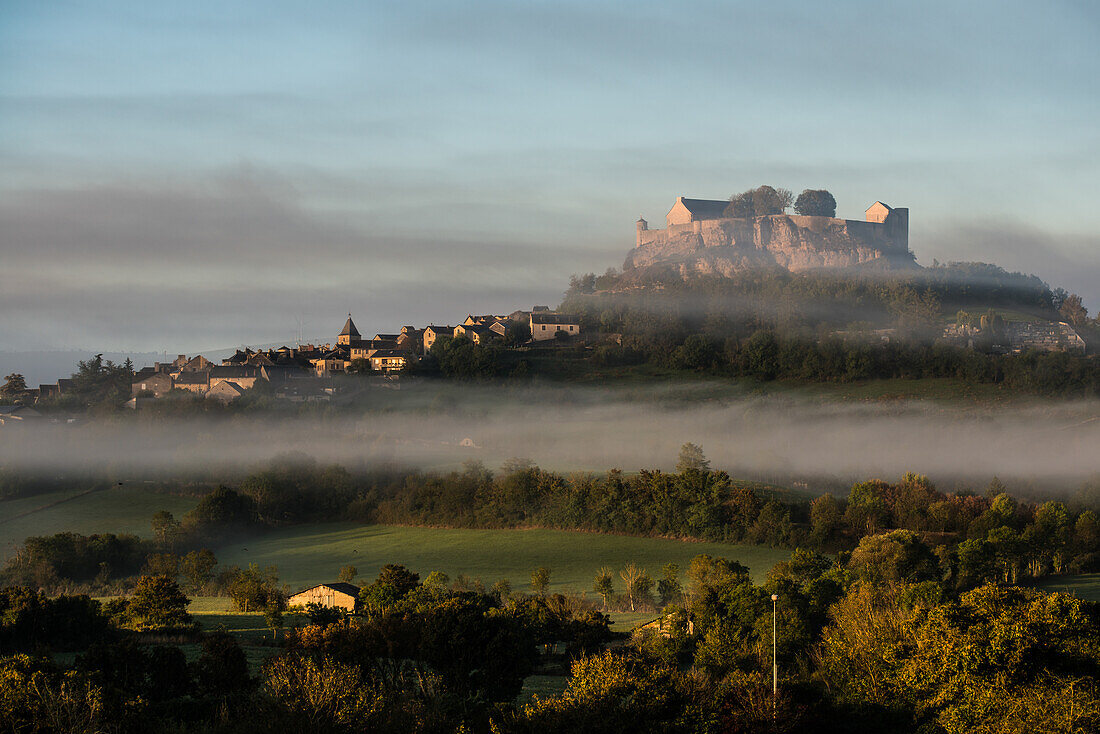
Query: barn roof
[(336, 586)]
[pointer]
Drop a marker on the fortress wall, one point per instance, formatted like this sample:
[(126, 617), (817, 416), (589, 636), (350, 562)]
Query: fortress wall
[(792, 241)]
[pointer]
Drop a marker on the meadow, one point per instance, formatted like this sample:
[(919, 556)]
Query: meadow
[(119, 509), (1085, 586), (309, 554)]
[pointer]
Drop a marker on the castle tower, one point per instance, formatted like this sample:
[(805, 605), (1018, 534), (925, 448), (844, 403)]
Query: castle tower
[(642, 226), (896, 221), (350, 335)]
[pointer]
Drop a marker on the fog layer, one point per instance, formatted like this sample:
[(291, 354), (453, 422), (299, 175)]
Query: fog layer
[(780, 438)]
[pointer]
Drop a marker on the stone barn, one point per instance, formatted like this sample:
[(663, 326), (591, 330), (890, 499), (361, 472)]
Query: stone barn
[(339, 596)]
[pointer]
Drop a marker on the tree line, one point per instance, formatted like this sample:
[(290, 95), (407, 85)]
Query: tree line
[(973, 537)]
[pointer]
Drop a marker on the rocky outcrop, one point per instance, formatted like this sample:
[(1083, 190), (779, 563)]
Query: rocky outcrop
[(726, 246)]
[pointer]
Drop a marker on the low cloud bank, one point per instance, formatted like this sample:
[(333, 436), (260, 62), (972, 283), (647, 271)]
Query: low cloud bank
[(770, 438)]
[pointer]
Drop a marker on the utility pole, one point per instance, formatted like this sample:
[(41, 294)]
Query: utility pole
[(775, 665)]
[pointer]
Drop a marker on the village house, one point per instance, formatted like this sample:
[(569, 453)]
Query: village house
[(225, 392), (477, 333), (388, 360), (547, 325), (15, 414), (334, 596), (159, 384), (196, 382), (433, 332)]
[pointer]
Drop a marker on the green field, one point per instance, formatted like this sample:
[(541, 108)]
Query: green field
[(1086, 586), (310, 554), (125, 509)]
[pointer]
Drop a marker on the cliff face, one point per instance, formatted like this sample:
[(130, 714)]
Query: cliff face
[(726, 246)]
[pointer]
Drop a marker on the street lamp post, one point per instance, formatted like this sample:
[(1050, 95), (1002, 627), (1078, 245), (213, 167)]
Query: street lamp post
[(775, 665)]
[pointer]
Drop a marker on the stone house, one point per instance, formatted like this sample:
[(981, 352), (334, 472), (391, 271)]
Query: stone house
[(334, 596), (388, 360), (159, 384), (196, 382), (547, 325), (243, 376), (17, 414), (477, 333), (225, 392), (433, 332)]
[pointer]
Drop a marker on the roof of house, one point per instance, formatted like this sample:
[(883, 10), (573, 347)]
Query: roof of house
[(349, 329), (440, 329), (144, 376), (192, 378), (385, 337), (13, 409), (554, 318), (337, 586), (389, 353), (226, 385), (705, 208), (233, 370)]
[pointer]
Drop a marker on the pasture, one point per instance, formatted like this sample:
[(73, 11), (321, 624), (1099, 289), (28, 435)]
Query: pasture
[(309, 554), (1085, 586), (120, 509)]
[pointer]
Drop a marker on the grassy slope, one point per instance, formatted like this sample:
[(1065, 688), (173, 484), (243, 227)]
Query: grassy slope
[(314, 553), (125, 509), (1086, 586)]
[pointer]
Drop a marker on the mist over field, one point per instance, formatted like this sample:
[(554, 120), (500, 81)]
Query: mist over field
[(777, 438)]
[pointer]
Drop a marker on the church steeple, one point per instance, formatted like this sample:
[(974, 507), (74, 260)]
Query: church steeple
[(350, 335)]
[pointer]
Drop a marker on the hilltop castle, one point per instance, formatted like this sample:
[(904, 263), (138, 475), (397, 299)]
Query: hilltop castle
[(701, 237)]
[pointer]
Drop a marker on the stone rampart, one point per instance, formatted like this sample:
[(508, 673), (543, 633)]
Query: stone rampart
[(794, 242)]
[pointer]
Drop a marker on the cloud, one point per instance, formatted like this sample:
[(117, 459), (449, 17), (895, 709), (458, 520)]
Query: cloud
[(239, 258)]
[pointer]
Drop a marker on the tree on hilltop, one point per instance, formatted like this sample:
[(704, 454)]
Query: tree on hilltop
[(1072, 310), (759, 202), (815, 203)]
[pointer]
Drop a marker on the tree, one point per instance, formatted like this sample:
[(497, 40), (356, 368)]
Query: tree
[(165, 526), (540, 580), (273, 617), (502, 589), (669, 588), (639, 584), (899, 556), (197, 569), (347, 574), (825, 519), (759, 202), (604, 585), (815, 203), (162, 564), (323, 616), (222, 668), (1073, 311), (437, 580), (692, 458), (252, 589), (394, 582), (14, 388), (158, 603)]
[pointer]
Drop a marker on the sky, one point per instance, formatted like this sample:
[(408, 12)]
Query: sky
[(190, 176)]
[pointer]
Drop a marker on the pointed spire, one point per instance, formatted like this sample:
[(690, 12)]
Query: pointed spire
[(349, 329)]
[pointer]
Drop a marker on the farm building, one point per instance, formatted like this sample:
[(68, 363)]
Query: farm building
[(339, 595)]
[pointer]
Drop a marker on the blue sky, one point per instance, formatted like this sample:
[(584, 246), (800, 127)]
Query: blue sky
[(188, 176)]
